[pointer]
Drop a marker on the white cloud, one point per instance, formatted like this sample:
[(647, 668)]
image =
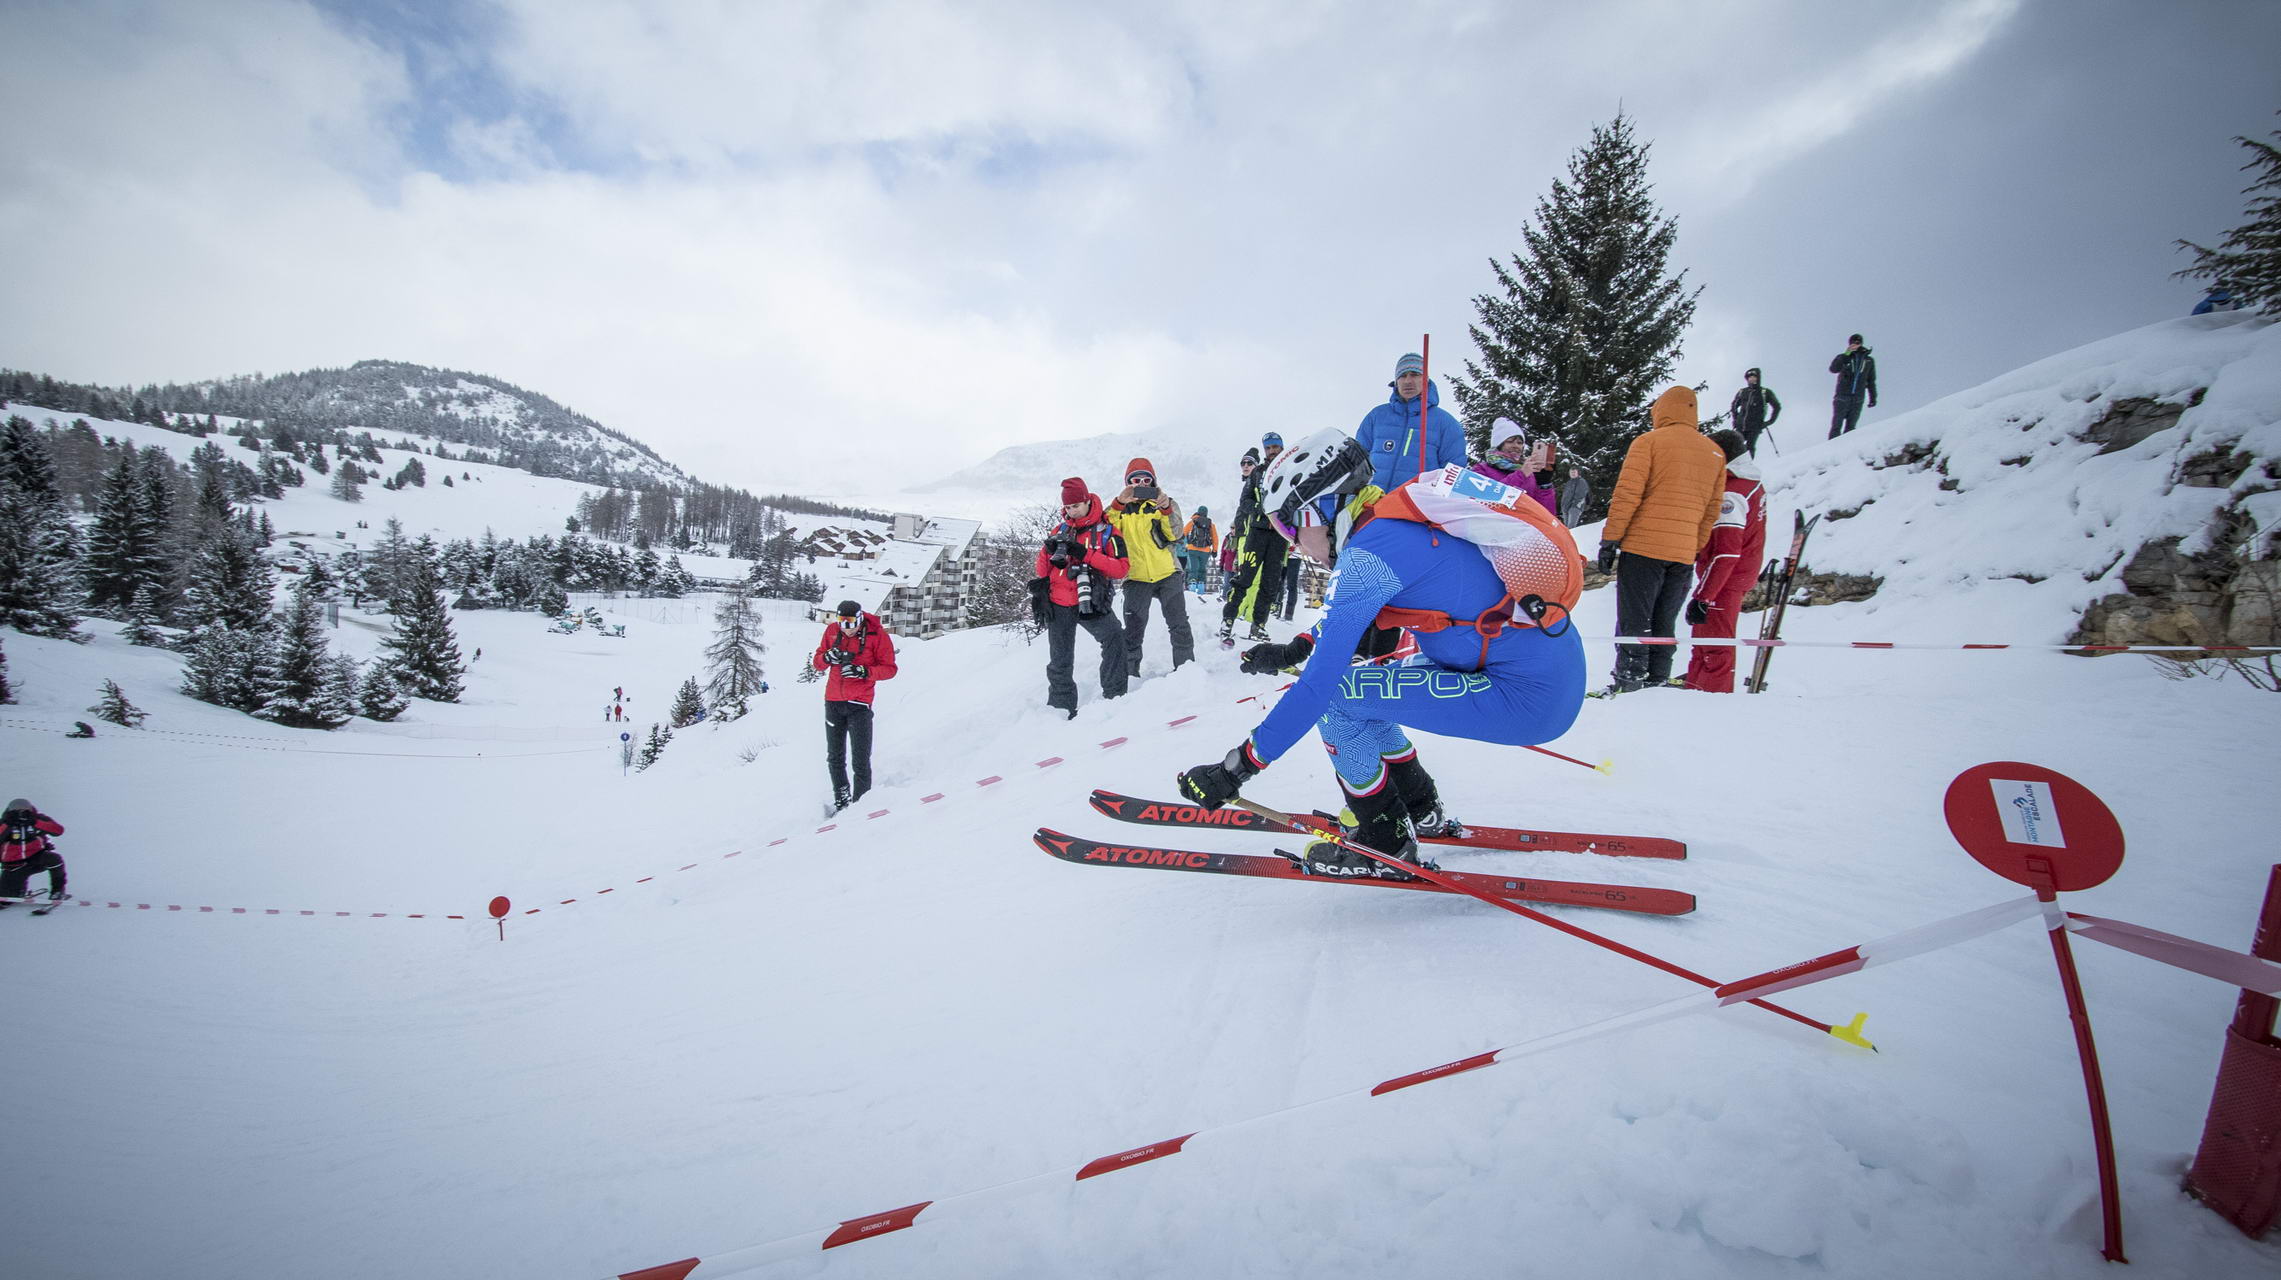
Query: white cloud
[(1241, 213)]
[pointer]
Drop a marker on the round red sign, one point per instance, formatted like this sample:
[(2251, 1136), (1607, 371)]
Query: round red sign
[(499, 908), (2033, 826)]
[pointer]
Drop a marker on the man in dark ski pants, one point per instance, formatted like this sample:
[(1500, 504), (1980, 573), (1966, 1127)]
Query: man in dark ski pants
[(857, 652), (1078, 569), (26, 850), (1258, 579), (1753, 410), (1856, 372)]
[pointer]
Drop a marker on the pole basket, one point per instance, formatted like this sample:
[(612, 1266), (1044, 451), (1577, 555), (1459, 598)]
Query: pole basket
[(2237, 1170)]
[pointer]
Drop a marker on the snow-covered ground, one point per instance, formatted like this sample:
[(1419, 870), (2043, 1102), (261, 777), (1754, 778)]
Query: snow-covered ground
[(724, 1027)]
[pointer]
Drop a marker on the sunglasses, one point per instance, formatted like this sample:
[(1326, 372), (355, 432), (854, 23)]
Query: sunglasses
[(1140, 477)]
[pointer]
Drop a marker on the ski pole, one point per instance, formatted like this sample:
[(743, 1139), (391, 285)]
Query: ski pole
[(1850, 1033), (1425, 371)]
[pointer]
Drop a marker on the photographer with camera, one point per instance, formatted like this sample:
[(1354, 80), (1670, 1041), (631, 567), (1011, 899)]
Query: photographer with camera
[(1149, 521), (1076, 586), (857, 652)]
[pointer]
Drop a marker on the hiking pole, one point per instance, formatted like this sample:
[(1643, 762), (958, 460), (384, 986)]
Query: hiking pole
[(1850, 1033)]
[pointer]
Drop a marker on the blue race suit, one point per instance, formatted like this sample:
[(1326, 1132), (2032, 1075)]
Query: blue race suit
[(1528, 691)]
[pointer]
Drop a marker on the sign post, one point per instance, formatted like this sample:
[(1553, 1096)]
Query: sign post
[(499, 907), (2041, 828)]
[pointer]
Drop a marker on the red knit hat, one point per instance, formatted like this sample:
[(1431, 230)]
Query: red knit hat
[(1073, 491), (1139, 466)]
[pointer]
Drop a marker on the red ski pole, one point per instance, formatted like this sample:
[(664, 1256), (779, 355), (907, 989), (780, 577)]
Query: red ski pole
[(1850, 1033), (1425, 371)]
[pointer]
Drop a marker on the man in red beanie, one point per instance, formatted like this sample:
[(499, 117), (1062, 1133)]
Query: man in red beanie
[(1078, 568), (1148, 520)]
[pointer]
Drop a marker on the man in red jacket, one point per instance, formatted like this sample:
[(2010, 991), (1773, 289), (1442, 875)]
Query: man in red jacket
[(1078, 569), (1726, 568), (857, 653)]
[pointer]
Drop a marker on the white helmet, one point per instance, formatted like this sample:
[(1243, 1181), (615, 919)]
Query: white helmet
[(1305, 482)]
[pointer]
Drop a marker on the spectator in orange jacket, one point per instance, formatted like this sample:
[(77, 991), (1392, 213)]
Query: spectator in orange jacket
[(1665, 504), (858, 653)]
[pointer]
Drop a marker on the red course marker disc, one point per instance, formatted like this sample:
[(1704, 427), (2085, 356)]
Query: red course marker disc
[(2033, 826)]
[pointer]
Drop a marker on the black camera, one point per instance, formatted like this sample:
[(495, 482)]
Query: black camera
[(1146, 493)]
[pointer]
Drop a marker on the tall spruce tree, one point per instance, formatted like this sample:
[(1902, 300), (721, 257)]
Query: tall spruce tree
[(230, 582), (423, 653), (125, 549), (40, 586), (294, 688), (1586, 323), (2249, 261)]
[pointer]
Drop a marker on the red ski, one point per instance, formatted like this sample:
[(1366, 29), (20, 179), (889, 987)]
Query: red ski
[(1162, 813), (1280, 866)]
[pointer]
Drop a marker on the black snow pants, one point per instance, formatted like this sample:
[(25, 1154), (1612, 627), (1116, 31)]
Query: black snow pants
[(847, 730), (1649, 594), (1061, 627), (13, 879)]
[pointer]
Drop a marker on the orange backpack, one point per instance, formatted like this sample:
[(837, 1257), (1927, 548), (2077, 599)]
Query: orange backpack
[(1533, 553)]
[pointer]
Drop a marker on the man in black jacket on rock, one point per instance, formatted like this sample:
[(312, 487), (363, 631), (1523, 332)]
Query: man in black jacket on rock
[(1753, 409), (1856, 372)]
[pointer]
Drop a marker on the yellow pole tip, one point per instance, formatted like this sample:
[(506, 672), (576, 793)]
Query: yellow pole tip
[(1605, 766), (1851, 1032)]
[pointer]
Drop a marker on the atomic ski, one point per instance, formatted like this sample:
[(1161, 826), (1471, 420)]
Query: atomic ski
[(46, 904), (1157, 813), (1779, 577), (1281, 866)]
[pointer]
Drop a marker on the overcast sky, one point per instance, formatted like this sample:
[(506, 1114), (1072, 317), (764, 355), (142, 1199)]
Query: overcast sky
[(779, 241)]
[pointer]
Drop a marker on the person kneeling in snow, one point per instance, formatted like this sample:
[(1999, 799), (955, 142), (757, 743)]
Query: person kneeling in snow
[(1723, 572), (1494, 664), (25, 849)]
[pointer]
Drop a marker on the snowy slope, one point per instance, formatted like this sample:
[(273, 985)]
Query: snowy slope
[(744, 1040)]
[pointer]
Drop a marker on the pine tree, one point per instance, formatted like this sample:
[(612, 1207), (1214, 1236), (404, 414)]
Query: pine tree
[(115, 708), (659, 736), (230, 582), (732, 662), (217, 656), (348, 482), (7, 691), (125, 555), (142, 621), (2249, 263), (341, 676), (40, 587), (293, 686), (1586, 324), (687, 705), (379, 697), (423, 652), (675, 581)]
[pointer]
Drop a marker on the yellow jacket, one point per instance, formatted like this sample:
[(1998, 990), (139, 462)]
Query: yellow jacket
[(1139, 524), (1667, 497)]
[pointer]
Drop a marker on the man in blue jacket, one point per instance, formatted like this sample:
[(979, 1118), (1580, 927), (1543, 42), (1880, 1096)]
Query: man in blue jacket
[(1390, 431), (1520, 684)]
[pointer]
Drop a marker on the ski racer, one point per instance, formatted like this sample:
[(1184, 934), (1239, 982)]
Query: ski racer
[(1493, 665), (25, 849)]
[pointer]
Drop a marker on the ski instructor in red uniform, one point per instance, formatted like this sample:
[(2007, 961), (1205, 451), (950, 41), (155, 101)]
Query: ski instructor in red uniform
[(857, 653)]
